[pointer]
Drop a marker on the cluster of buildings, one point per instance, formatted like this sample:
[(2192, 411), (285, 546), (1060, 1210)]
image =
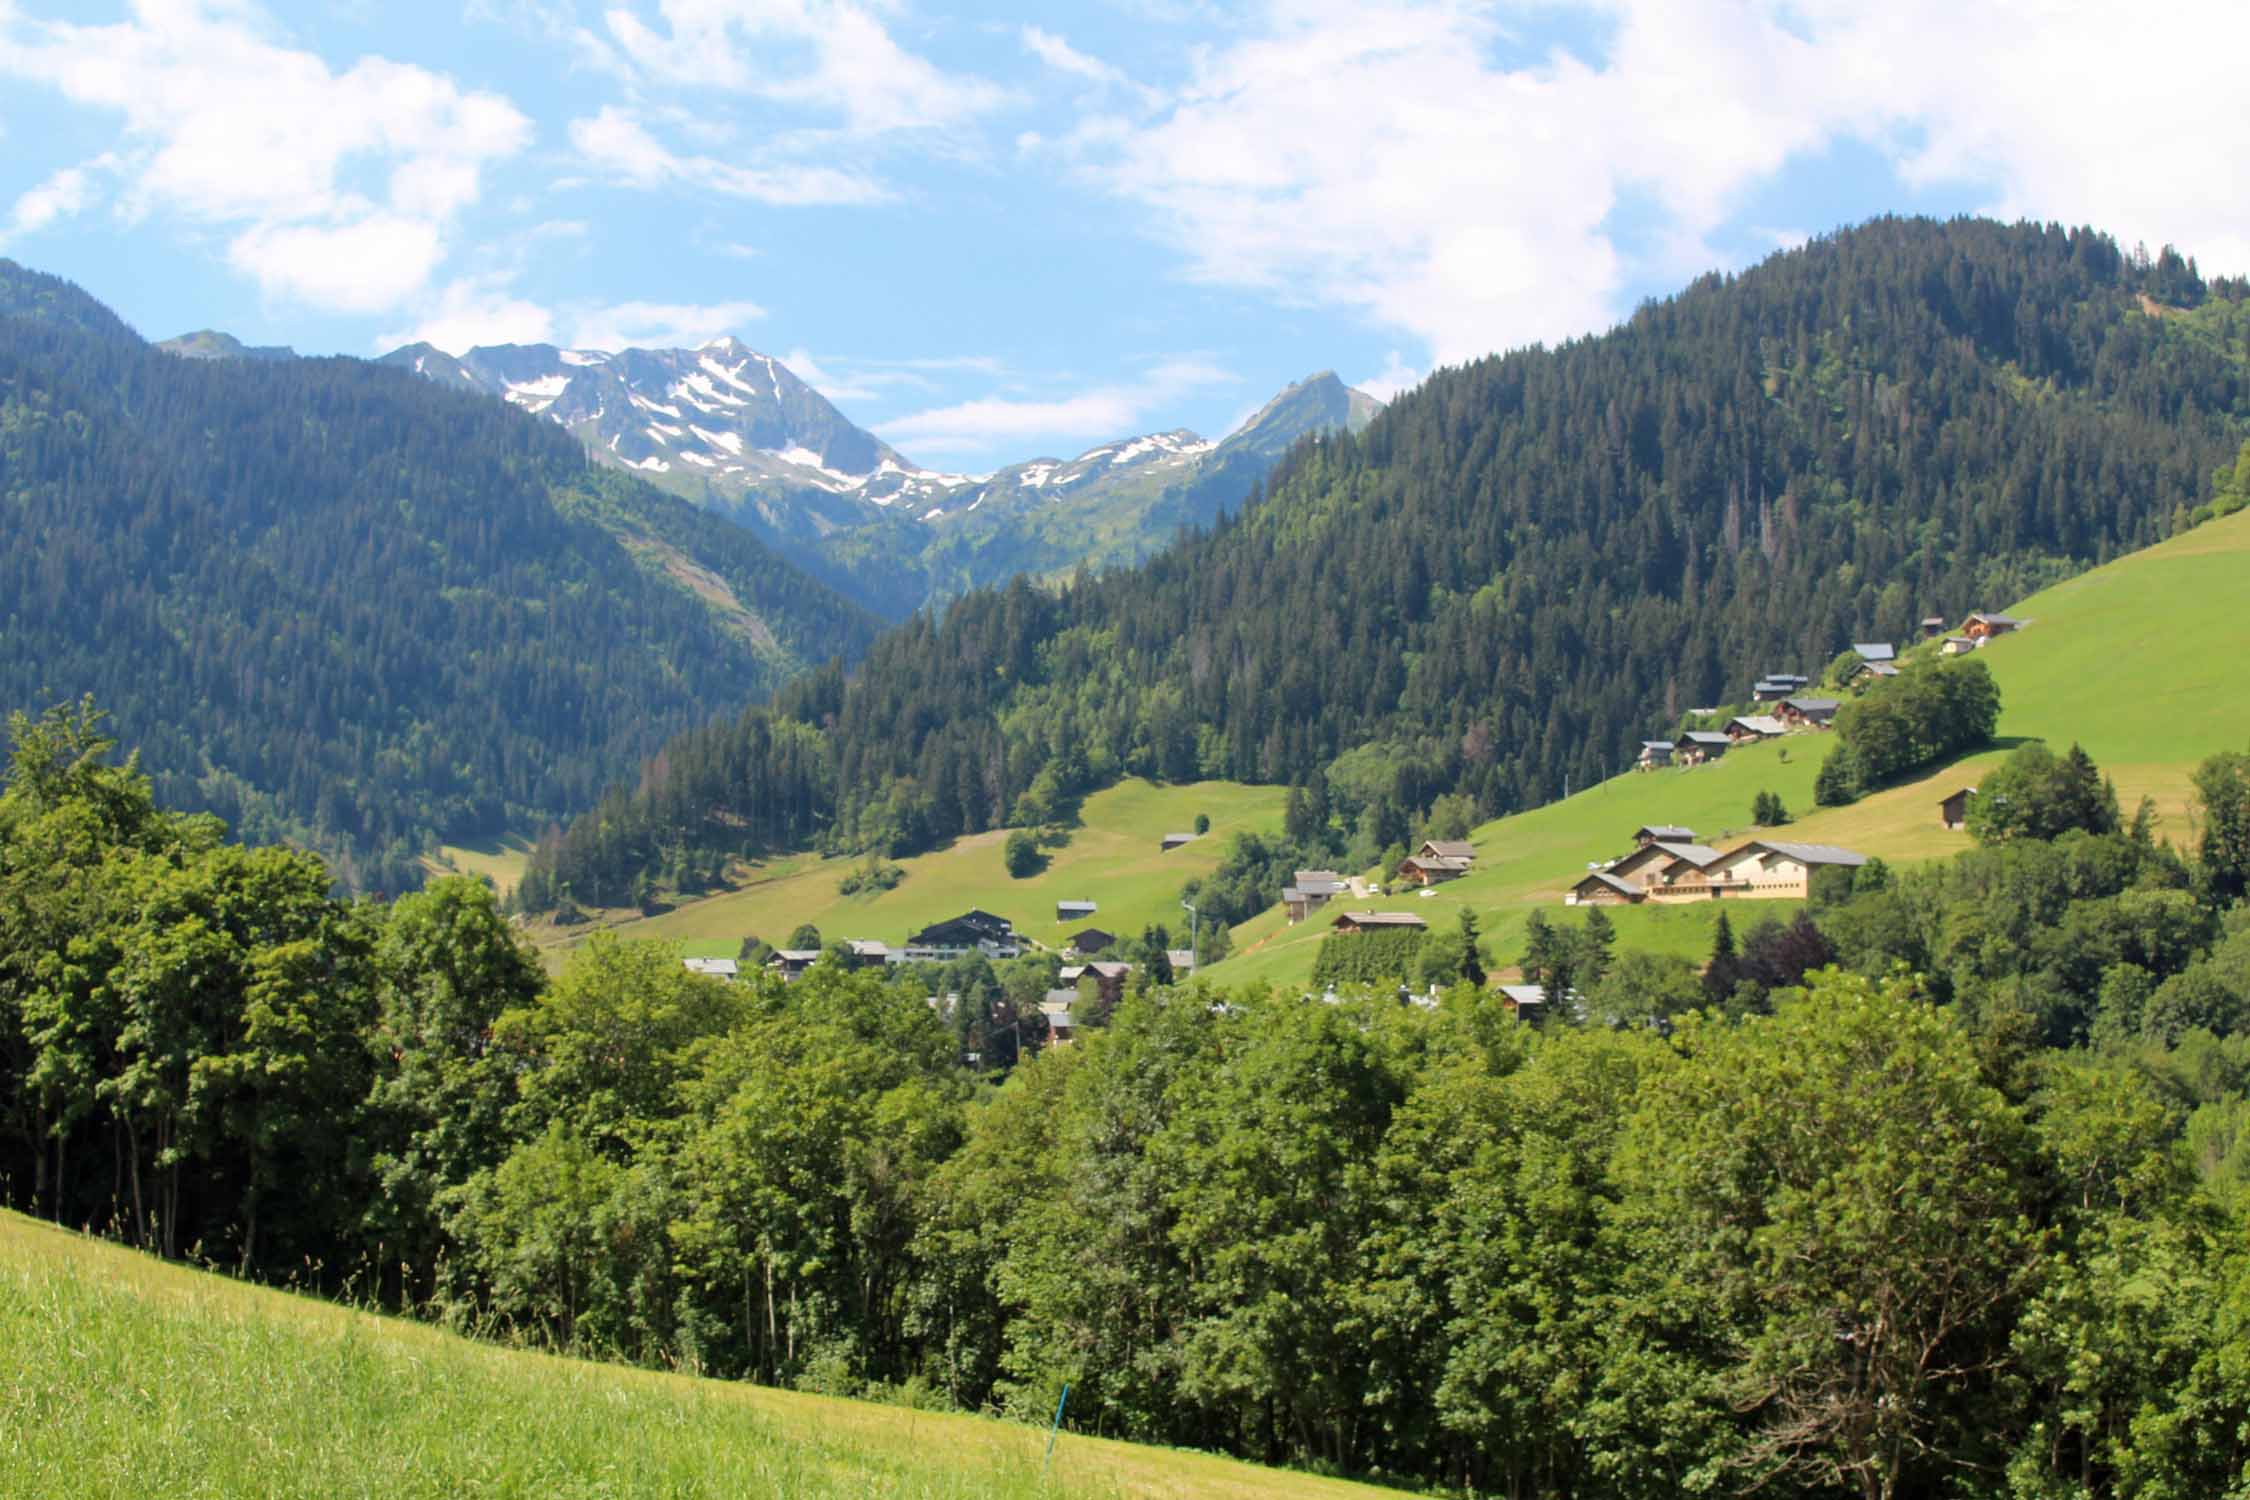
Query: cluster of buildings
[(1666, 864), (1790, 708), (1437, 861), (974, 931)]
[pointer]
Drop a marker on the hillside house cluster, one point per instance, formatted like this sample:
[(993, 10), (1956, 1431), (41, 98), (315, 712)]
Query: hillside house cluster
[(1666, 864), (957, 937), (1437, 861)]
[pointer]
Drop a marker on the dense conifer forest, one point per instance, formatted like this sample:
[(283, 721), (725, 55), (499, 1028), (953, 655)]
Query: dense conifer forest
[(334, 603), (1527, 563), (1938, 1190)]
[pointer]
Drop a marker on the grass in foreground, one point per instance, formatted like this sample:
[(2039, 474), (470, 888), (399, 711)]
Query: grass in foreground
[(125, 1376)]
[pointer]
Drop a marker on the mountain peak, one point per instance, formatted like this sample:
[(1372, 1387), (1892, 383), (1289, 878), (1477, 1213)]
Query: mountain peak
[(210, 343)]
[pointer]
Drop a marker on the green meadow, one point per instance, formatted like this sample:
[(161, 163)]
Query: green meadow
[(129, 1377), (1113, 859), (2140, 661)]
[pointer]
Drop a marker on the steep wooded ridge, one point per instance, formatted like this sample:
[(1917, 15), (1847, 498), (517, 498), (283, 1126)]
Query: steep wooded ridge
[(335, 603), (1528, 562)]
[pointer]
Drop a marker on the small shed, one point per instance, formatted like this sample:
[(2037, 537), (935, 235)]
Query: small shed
[(1953, 812), (1074, 911), (1173, 841)]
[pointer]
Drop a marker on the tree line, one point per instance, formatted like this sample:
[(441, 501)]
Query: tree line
[(1530, 562), (1937, 1188)]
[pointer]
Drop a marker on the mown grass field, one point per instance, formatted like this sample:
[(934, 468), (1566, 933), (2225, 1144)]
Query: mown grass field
[(1113, 859), (125, 1376), (500, 860), (2139, 661)]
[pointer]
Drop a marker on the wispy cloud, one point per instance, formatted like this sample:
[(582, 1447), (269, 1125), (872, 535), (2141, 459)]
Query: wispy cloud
[(616, 144), (1073, 420)]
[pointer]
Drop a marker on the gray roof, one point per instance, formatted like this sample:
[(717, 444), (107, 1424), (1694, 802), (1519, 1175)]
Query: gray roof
[(1880, 668), (717, 968), (1609, 880), (1812, 854), (868, 948), (1661, 831), (1656, 744), (1082, 908), (1180, 958), (1758, 723), (1994, 617), (1873, 650), (1705, 737), (797, 955), (1697, 855), (1451, 848), (1381, 919), (1525, 994), (1813, 705)]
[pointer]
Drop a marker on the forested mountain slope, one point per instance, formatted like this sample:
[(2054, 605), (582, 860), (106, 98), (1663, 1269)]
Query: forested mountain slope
[(1528, 562), (333, 602)]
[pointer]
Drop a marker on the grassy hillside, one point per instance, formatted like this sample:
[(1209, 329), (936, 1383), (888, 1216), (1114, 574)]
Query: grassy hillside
[(1112, 859), (129, 1377), (2138, 661)]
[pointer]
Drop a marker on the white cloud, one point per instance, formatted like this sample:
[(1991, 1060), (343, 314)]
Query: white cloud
[(1402, 163), (1104, 412), (829, 55), (475, 311), (1395, 376), (339, 189), (63, 195), (1058, 54), (659, 325), (617, 144)]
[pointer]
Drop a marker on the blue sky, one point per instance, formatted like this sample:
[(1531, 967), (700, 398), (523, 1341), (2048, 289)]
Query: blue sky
[(990, 233)]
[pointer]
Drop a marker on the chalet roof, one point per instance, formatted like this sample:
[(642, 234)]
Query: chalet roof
[(1181, 959), (1455, 863), (1661, 831), (1656, 744), (1089, 939), (1056, 1007), (1077, 908), (1933, 620), (1798, 678), (1703, 737), (1758, 723), (1879, 668), (1698, 855), (1873, 650), (1380, 919), (1603, 877), (868, 948), (1525, 994), (1810, 854), (1992, 617), (1317, 877), (1180, 838), (717, 968), (1812, 707), (1451, 848), (1967, 791), (796, 955)]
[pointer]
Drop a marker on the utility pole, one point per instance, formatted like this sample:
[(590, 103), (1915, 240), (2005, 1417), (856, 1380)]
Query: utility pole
[(1195, 956)]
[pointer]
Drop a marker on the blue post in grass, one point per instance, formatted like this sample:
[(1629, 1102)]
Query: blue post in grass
[(1052, 1431)]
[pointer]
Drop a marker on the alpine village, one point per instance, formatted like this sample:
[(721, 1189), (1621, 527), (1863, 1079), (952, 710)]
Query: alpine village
[(1653, 902)]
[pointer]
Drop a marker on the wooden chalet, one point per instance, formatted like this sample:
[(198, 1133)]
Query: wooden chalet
[(1868, 673), (1807, 713), (713, 968), (1108, 978), (1600, 888), (1091, 941), (1983, 625), (1699, 745), (1432, 869), (1932, 624), (1309, 891), (1775, 686), (971, 932), (1663, 833), (1652, 864), (1075, 911), (1760, 870), (1953, 812), (1062, 1024), (1379, 921), (1743, 729), (1447, 849), (791, 962), (1654, 754), (866, 953)]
